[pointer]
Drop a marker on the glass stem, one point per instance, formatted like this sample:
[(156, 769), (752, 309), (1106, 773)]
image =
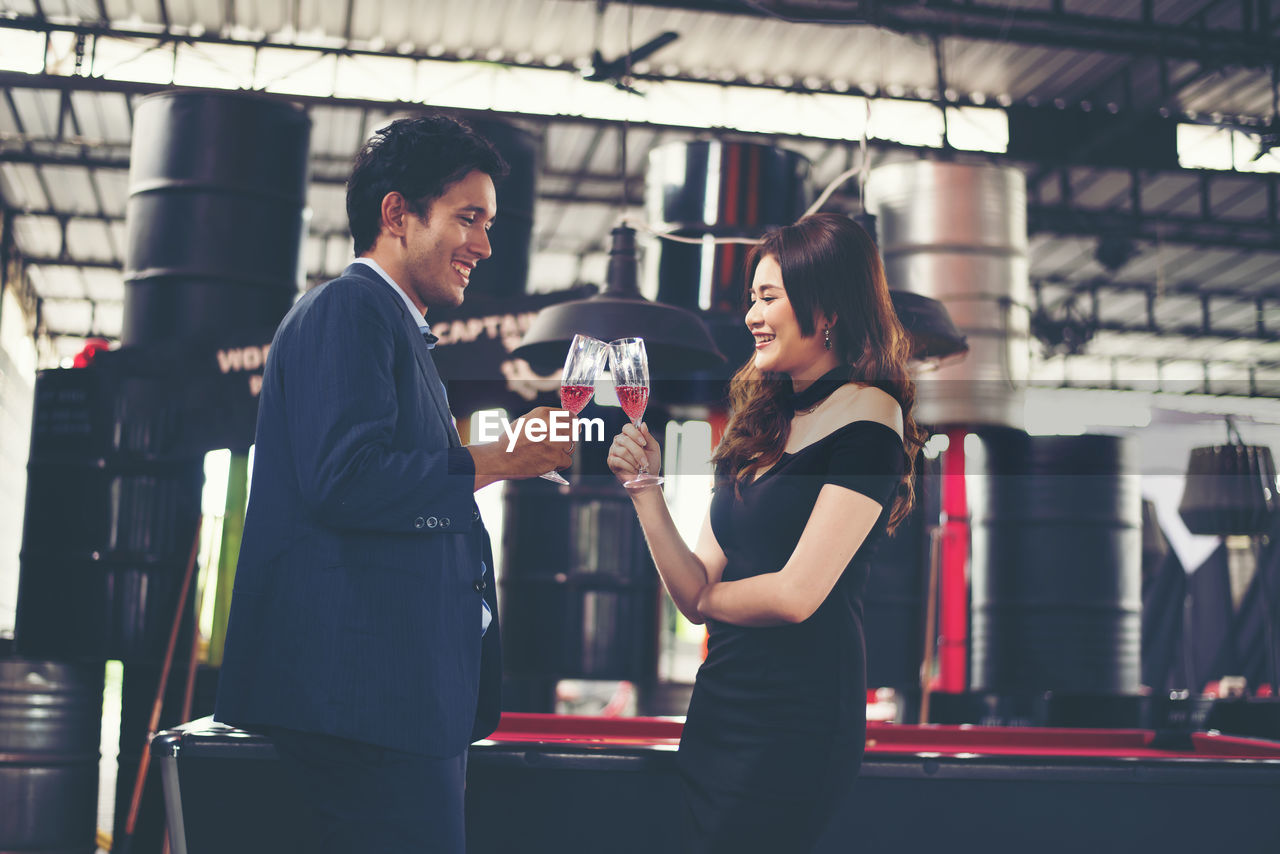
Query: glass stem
[(644, 464)]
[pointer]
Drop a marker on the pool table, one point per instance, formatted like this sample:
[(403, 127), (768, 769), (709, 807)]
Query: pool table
[(560, 783)]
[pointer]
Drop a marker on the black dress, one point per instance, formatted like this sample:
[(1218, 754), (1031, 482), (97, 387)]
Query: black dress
[(777, 722)]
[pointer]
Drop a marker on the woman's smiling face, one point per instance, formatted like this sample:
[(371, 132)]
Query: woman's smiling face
[(780, 345)]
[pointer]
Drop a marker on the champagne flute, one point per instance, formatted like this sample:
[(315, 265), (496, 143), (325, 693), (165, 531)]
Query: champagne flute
[(629, 364), (578, 380)]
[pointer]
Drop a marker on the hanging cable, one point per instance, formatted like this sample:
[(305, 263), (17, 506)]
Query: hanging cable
[(861, 171), (626, 115)]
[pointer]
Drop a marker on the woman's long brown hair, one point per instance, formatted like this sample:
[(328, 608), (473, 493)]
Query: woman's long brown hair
[(830, 266)]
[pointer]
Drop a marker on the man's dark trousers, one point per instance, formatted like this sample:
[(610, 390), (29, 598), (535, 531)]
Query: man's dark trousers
[(361, 797)]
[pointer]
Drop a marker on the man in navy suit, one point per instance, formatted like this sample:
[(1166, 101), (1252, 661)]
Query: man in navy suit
[(363, 633)]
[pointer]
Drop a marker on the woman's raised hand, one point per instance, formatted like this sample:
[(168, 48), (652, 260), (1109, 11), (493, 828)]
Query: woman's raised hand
[(630, 448)]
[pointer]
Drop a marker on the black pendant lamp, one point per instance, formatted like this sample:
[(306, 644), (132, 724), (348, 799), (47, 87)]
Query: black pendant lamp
[(929, 328), (676, 340), (1230, 489)]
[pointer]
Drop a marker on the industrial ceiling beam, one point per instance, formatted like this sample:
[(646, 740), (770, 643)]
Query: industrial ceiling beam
[(1249, 50), (62, 261), (91, 300), (92, 156), (14, 80), (69, 333), (170, 38), (1262, 379), (1169, 312), (1244, 293), (1234, 40), (66, 217), (1183, 331), (1064, 218), (1238, 37)]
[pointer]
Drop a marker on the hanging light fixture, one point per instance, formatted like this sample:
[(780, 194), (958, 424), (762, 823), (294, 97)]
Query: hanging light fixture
[(929, 327), (1230, 492), (1230, 489), (676, 339)]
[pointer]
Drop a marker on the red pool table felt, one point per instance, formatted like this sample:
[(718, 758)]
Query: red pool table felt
[(888, 739)]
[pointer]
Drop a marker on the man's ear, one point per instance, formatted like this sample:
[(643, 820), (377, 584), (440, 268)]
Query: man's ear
[(395, 212)]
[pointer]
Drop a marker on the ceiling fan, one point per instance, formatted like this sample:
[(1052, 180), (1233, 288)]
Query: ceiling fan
[(616, 71), (1267, 135)]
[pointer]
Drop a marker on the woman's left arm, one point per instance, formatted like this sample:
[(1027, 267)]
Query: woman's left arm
[(840, 521)]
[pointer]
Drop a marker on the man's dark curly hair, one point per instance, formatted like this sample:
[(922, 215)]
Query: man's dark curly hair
[(420, 158)]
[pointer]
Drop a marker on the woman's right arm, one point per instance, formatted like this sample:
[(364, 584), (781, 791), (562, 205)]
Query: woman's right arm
[(685, 572)]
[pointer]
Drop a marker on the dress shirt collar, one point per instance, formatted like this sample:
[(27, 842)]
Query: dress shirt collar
[(413, 309)]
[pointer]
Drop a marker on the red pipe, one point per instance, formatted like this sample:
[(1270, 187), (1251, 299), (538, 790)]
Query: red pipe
[(953, 631)]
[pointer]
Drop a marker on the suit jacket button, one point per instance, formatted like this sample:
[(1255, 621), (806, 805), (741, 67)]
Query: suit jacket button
[(445, 522), (419, 522), (475, 515), (480, 585), (432, 521)]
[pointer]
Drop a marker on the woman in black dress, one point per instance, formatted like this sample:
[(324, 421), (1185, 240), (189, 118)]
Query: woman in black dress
[(813, 470)]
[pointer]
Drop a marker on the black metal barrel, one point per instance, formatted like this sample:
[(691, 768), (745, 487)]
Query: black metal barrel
[(111, 511), (893, 603), (50, 730), (505, 273), (579, 591), (217, 184), (1057, 564)]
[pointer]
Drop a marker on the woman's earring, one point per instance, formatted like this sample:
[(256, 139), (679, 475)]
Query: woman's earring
[(826, 337)]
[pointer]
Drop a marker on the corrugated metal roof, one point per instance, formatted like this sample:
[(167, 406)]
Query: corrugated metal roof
[(328, 204), (70, 189), (55, 283), (38, 111), (108, 319), (566, 31), (103, 116), (68, 314), (104, 285), (113, 189), (90, 240), (21, 184), (38, 235)]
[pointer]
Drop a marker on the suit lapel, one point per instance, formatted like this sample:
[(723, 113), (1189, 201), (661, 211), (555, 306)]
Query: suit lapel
[(435, 387)]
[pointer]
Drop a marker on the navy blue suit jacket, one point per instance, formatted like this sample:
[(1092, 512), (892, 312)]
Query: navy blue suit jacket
[(357, 603)]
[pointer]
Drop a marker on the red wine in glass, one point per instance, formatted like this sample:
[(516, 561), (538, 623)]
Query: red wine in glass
[(575, 397), (578, 381), (634, 399), (629, 364)]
